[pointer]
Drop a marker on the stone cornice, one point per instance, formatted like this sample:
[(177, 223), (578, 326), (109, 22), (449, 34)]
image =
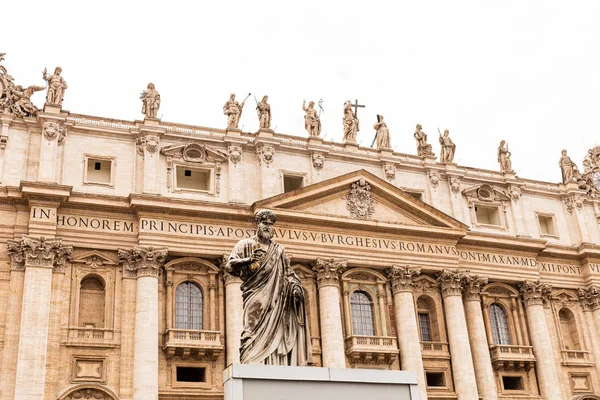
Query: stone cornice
[(534, 292), (402, 277), (142, 261), (38, 252), (590, 298), (472, 285), (328, 271), (451, 281)]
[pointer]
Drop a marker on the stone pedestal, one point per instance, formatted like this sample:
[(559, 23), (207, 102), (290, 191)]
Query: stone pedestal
[(39, 256), (145, 263), (409, 340), (266, 382), (458, 335), (533, 296), (234, 317), (351, 146), (486, 384), (332, 338), (265, 133)]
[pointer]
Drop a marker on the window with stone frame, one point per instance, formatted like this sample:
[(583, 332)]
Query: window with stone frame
[(363, 322), (499, 324), (568, 329), (91, 302), (427, 319), (189, 306)]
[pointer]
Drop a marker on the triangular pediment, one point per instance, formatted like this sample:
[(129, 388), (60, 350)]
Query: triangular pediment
[(361, 196), (194, 152), (93, 259)]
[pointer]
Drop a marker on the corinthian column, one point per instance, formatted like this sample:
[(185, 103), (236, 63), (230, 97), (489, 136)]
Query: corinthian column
[(146, 262), (534, 294), (39, 257), (590, 301), (458, 335), (484, 374), (401, 278), (234, 313), (332, 337)]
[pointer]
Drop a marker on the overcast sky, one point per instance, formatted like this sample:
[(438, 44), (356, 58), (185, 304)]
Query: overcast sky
[(525, 71)]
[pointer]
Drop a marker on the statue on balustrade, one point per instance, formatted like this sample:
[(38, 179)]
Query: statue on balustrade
[(351, 123), (567, 167), (233, 110), (382, 134), (150, 101), (504, 157), (312, 121), (448, 148), (276, 330), (263, 109), (423, 148), (56, 87)]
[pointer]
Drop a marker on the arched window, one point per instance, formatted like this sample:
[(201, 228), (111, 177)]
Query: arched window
[(427, 319), (91, 303), (362, 314), (188, 306), (499, 322), (568, 329)]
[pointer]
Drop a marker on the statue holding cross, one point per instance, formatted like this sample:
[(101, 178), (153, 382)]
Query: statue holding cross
[(350, 120)]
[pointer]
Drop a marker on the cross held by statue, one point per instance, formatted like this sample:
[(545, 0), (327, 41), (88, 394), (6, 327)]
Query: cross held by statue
[(356, 106)]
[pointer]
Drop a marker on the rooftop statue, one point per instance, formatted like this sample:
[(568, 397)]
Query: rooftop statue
[(423, 148), (382, 135), (150, 101), (56, 87), (448, 148), (276, 330), (567, 167), (263, 109), (312, 121), (504, 158), (233, 110), (351, 123), (15, 99)]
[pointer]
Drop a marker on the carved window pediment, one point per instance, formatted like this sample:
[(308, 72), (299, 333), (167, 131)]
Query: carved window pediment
[(195, 153), (94, 259), (486, 193)]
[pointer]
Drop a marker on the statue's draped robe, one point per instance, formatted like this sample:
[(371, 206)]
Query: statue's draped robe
[(276, 330)]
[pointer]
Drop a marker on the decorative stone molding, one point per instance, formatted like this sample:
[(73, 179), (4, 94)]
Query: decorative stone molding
[(235, 154), (534, 292), (91, 394), (402, 277), (486, 193), (328, 271), (589, 298), (434, 179), (359, 201), (389, 171), (38, 252), (472, 285), (147, 142), (451, 281), (454, 185), (573, 202), (142, 261), (195, 153), (53, 130), (515, 193), (265, 154), (318, 160)]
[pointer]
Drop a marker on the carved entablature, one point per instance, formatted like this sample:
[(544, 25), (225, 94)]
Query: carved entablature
[(535, 292), (402, 277), (472, 285), (142, 261), (328, 271), (590, 298), (451, 281), (38, 252), (195, 153)]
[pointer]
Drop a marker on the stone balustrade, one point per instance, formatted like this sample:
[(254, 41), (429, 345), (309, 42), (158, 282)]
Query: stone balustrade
[(372, 349), (575, 357), (89, 334), (435, 350), (512, 357), (197, 344)]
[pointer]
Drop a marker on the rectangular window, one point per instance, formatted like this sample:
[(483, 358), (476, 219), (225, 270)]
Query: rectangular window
[(547, 226), (425, 327), (99, 171), (191, 374), (512, 383), (192, 178), (292, 182), (488, 215), (435, 379)]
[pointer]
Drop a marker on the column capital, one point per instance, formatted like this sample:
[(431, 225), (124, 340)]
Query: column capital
[(142, 261), (472, 285), (534, 292), (328, 271), (589, 298), (451, 281), (402, 277), (38, 252)]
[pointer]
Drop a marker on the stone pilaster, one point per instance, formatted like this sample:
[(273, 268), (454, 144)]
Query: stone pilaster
[(401, 279), (590, 302), (147, 263), (39, 257), (234, 314), (147, 145), (54, 131), (332, 339), (534, 295), (484, 374), (269, 179), (458, 335), (236, 173)]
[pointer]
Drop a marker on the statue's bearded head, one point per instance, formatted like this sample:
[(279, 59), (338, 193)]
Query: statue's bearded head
[(265, 220)]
